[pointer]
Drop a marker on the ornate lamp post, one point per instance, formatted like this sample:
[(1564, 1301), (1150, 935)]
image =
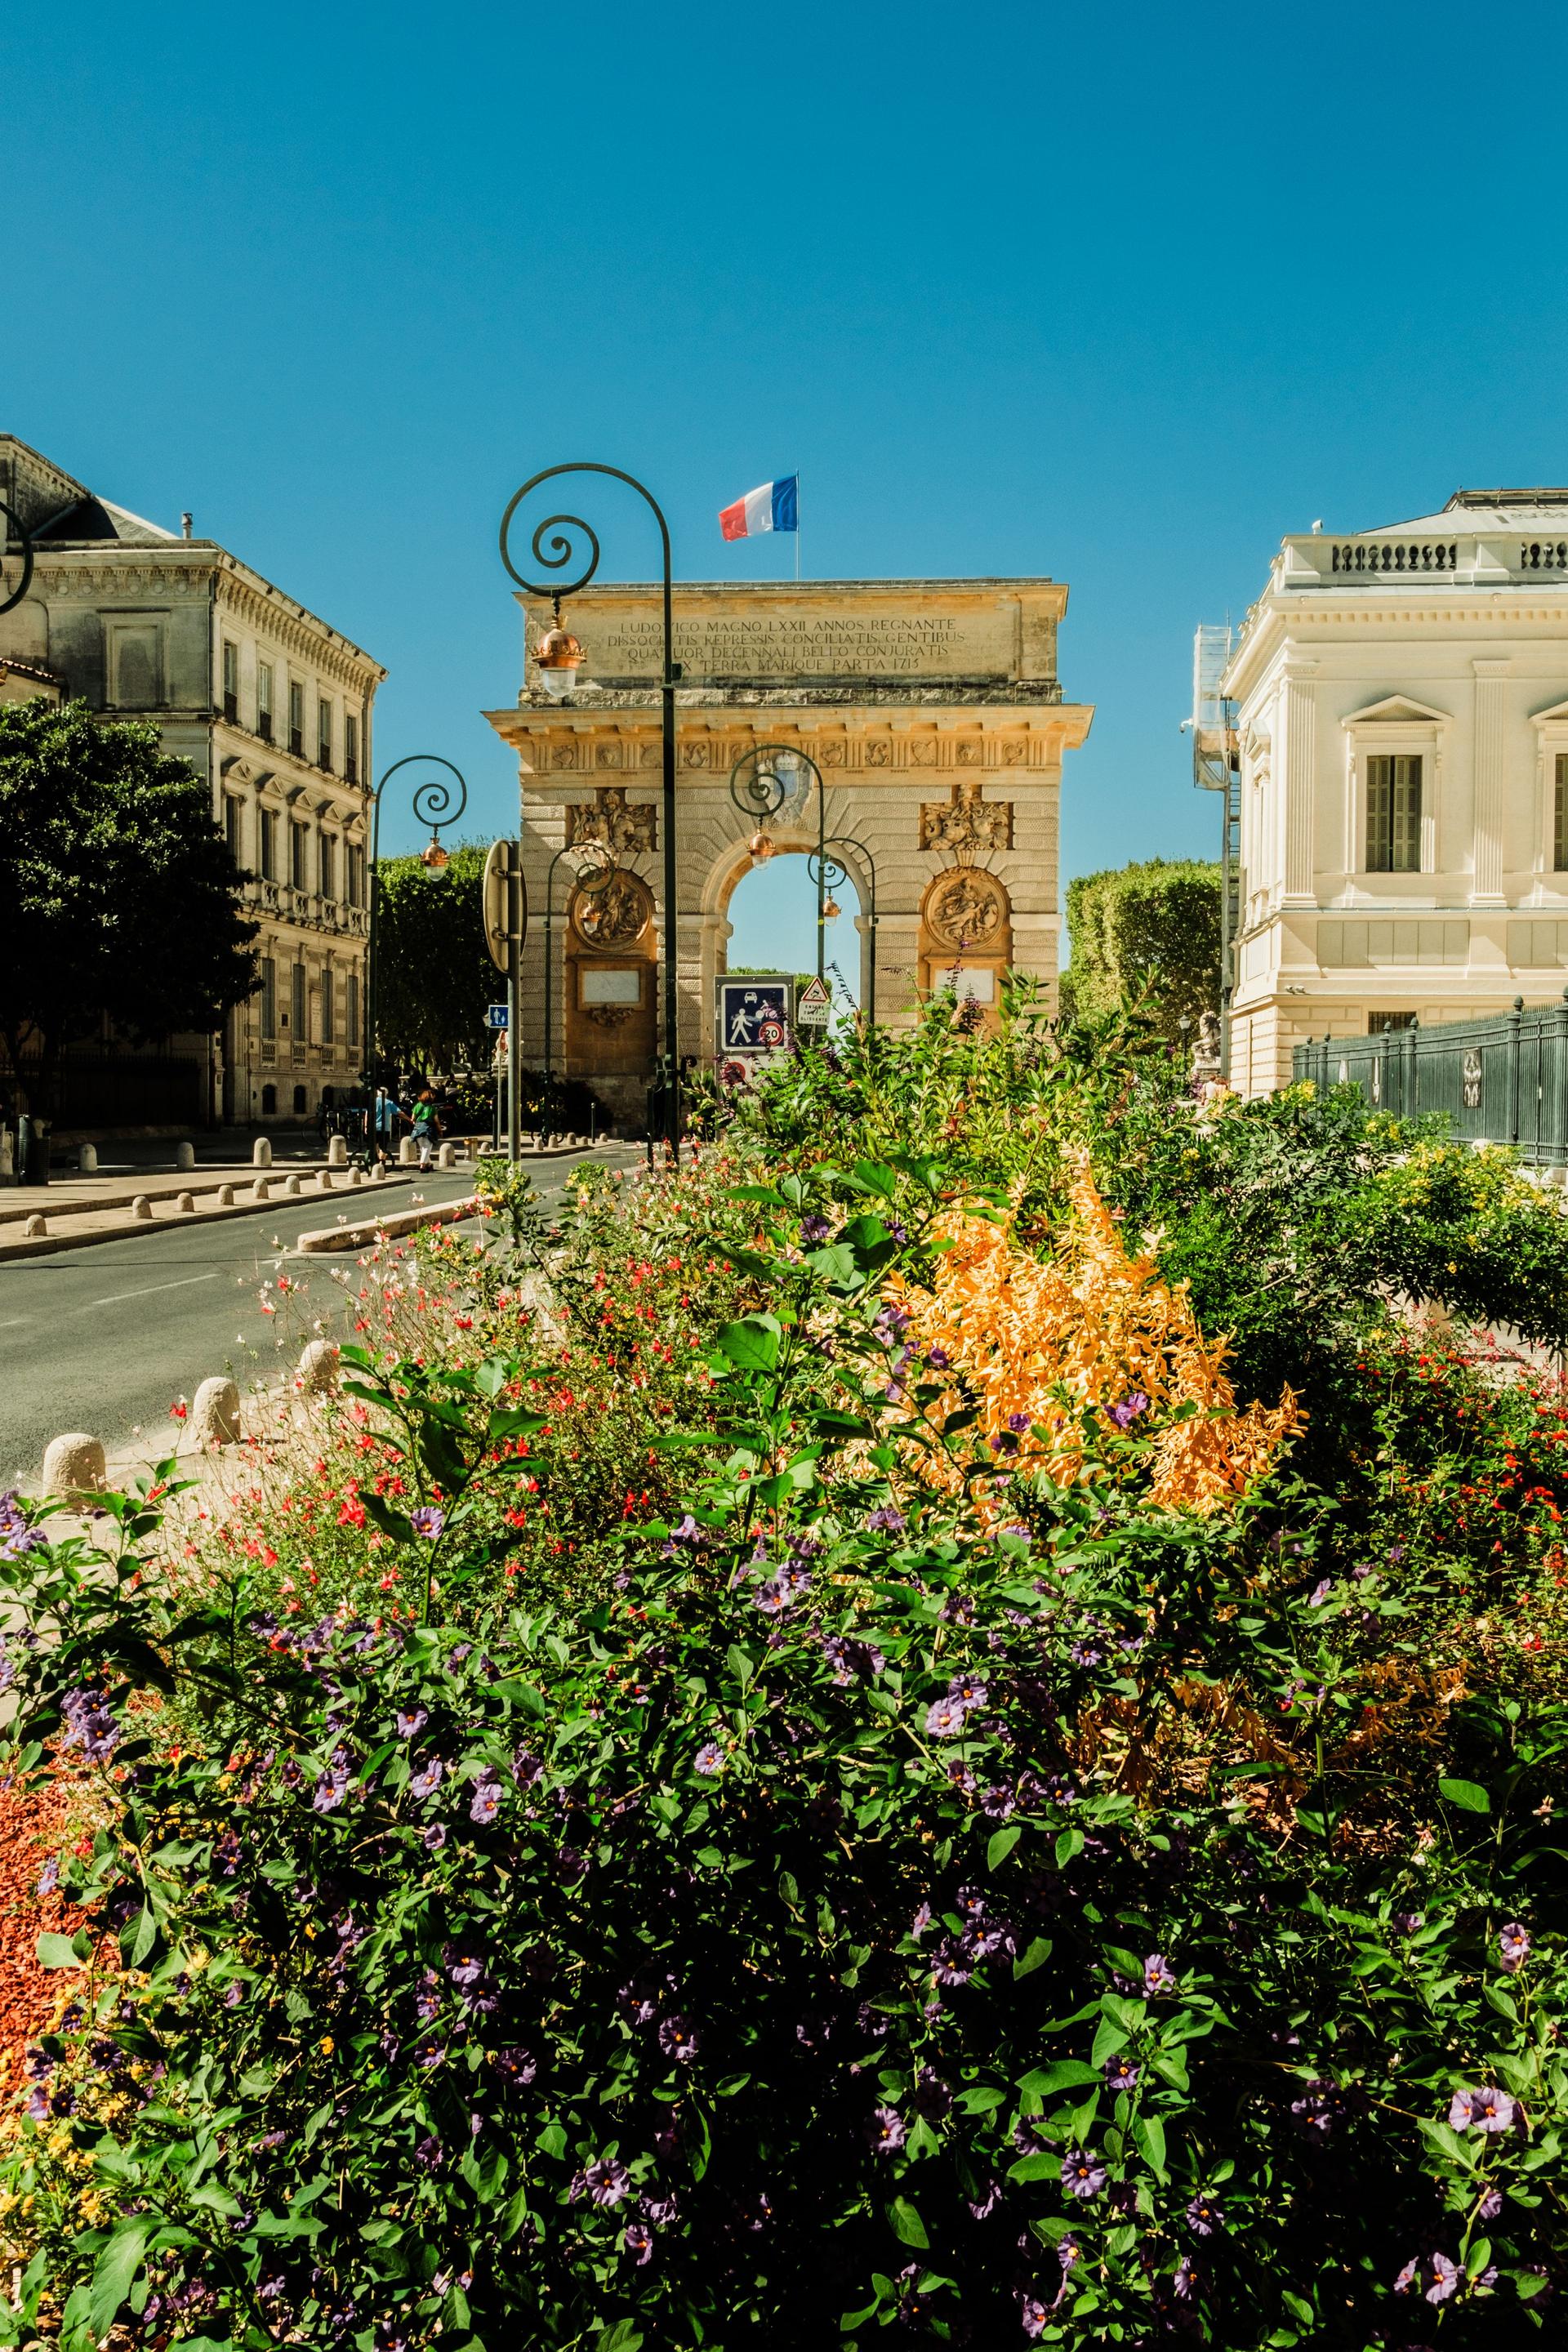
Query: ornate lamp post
[(15, 527), (768, 779), (436, 803), (560, 657)]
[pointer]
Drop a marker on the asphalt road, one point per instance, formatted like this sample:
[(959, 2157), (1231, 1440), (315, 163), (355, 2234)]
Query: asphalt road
[(105, 1339)]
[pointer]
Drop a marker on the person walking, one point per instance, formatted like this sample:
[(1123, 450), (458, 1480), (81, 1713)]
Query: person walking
[(426, 1126), (386, 1118)]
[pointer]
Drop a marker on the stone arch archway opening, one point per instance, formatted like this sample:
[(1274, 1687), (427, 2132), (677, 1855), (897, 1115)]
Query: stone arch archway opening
[(770, 925)]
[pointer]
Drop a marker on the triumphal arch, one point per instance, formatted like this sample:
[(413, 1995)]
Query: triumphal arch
[(934, 714)]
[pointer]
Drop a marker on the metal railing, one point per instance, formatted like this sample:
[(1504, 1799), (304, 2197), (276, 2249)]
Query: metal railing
[(1503, 1079)]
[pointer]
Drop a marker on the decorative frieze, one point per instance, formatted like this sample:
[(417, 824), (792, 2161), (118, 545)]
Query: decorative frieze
[(967, 823), (612, 821)]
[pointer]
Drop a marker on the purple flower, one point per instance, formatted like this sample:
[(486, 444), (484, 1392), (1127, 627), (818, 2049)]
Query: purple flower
[(463, 1969), (1005, 1442), (1318, 2110), (605, 2180), (516, 2065), (1017, 1423), (486, 1799), (938, 1359), (1485, 2109), (1125, 1413), (1405, 1923), (637, 2240), (1319, 1593), (952, 1963), (89, 1725), (1084, 1653), (852, 1660), (967, 1691), (1033, 2315), (526, 1768), (678, 2038), (889, 2133), (1491, 2205), (1514, 1946), (16, 1535), (711, 1759), (1441, 2277), (814, 1230), (1120, 2073), (50, 1876), (426, 1520), (1158, 1976), (1182, 2281), (772, 1598), (686, 1532), (428, 1779), (985, 2204), (434, 1837), (885, 1520), (1083, 2174), (1203, 2217), (945, 1718), (921, 1921), (413, 1720)]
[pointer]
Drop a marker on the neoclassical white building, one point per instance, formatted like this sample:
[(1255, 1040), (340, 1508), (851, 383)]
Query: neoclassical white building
[(1401, 702)]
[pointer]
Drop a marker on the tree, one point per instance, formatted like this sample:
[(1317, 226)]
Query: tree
[(434, 976), (1150, 929), (119, 892)]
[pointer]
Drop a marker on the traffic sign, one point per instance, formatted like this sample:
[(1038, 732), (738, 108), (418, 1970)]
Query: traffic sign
[(814, 1006), (505, 902), (495, 1016)]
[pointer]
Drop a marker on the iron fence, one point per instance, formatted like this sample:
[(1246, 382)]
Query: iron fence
[(1500, 1080)]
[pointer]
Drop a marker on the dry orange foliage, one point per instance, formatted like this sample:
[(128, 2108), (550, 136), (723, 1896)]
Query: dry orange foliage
[(1060, 1337)]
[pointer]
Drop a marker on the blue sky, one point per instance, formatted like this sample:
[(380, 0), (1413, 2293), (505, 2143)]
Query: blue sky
[(1116, 295)]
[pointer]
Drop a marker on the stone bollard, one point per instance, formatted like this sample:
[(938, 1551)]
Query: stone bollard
[(73, 1466), (261, 1157), (378, 1174), (356, 1178), (318, 1373), (86, 1159), (186, 1205), (140, 1206), (262, 1189), (446, 1157), (184, 1155), (214, 1413), (34, 1228), (226, 1196), (291, 1184), (338, 1151), (7, 1156), (407, 1152)]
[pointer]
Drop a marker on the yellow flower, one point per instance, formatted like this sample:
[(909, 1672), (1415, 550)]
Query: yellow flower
[(1050, 1341), (328, 2045)]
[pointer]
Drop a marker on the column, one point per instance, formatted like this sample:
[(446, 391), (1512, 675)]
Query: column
[(1298, 785), (1486, 879)]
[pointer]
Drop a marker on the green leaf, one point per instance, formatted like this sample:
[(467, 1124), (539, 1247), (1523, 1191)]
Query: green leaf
[(60, 1952), (1298, 2307), (391, 1523), (1477, 2258), (1070, 1845), (145, 1936), (1066, 2075), (114, 2274), (907, 2223), (753, 1344), (1467, 1795), (1002, 1845), (1149, 2137), (740, 1664), (621, 2335), (1039, 1953)]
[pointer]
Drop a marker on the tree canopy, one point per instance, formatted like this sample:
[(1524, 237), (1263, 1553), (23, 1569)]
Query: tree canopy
[(434, 976), (1148, 929), (119, 891)]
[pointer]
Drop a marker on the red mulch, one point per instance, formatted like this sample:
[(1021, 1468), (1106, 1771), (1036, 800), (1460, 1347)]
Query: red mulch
[(33, 1825)]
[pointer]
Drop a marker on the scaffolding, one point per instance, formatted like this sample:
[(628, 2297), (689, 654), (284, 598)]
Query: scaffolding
[(1217, 768)]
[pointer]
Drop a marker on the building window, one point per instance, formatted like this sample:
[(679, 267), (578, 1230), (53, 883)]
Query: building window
[(268, 1102), (297, 855), (1379, 1025), (231, 825), (264, 700), (328, 852), (329, 1007), (351, 1007), (1393, 812), (299, 1102), (296, 719), (269, 997), (270, 844), (323, 734), (300, 1027), (355, 875), (351, 747), (230, 681)]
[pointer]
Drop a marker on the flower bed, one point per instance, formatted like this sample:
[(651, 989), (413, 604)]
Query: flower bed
[(837, 1773)]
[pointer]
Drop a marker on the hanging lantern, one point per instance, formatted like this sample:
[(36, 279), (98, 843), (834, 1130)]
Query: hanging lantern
[(433, 855), (760, 845)]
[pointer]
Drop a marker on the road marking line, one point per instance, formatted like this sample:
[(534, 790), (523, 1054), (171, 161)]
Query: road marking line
[(16, 1321), (120, 1296)]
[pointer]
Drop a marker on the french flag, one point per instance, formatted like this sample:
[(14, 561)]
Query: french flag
[(773, 507)]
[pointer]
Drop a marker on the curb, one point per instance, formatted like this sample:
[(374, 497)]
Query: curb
[(48, 1245), (362, 1235)]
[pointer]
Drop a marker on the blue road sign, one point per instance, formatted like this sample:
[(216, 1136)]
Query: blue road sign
[(495, 1016)]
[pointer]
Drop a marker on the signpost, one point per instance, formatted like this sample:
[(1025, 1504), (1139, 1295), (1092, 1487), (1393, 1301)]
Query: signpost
[(506, 928), (814, 1006), (755, 1021)]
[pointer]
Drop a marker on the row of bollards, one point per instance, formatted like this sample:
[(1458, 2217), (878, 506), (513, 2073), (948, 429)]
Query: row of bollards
[(74, 1465)]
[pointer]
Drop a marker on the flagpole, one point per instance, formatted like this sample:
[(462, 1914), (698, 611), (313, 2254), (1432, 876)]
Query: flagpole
[(797, 529)]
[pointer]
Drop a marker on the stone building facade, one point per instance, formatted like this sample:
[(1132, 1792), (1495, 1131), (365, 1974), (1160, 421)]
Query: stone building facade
[(933, 709), (272, 707), (1402, 713)]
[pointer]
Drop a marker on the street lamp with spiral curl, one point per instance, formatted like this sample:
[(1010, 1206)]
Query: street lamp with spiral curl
[(438, 803), (559, 659)]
